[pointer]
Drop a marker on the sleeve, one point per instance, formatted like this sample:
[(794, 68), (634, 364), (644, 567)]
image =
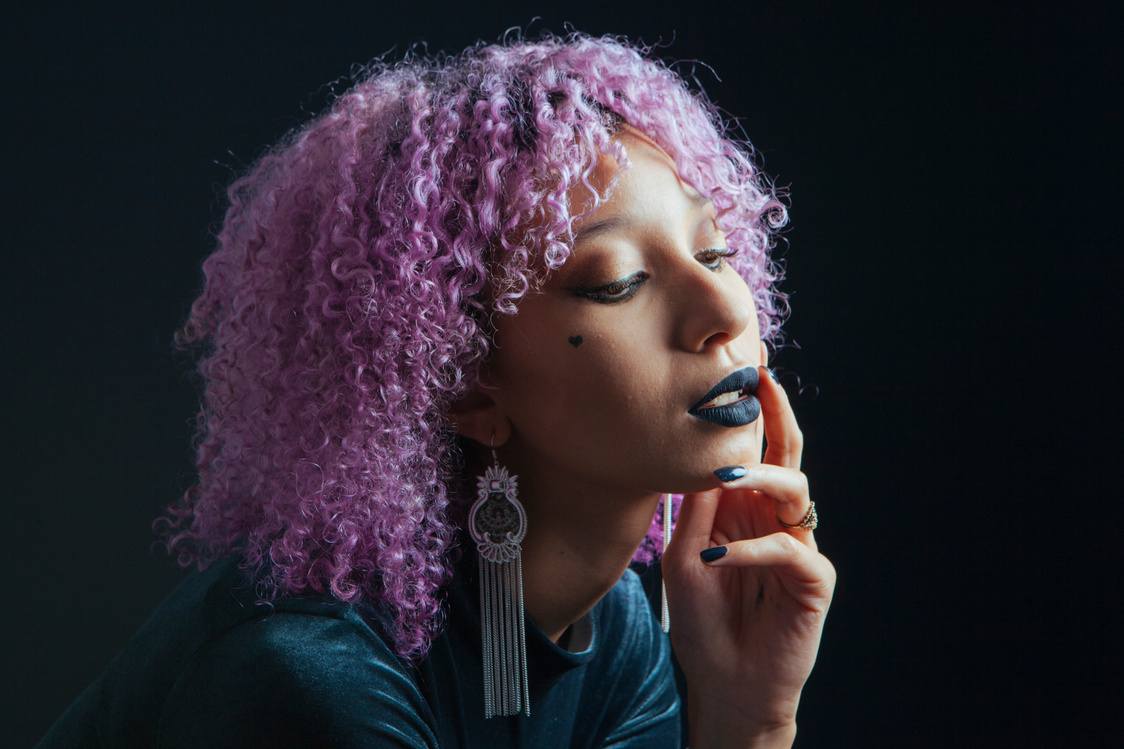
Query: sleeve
[(295, 680), (637, 686)]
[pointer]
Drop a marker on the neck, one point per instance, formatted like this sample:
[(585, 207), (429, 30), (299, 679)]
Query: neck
[(578, 544)]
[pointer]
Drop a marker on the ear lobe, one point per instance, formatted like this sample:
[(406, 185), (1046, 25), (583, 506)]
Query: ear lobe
[(477, 417), (764, 354)]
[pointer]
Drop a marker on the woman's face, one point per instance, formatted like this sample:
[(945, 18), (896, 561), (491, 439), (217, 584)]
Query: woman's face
[(599, 372)]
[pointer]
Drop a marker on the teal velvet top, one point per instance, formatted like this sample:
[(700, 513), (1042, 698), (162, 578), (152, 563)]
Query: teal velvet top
[(213, 668)]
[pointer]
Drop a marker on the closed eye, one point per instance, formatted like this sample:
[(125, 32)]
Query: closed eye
[(715, 258), (612, 293)]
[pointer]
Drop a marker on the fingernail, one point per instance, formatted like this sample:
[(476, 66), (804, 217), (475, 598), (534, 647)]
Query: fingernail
[(729, 473), (713, 554), (773, 375)]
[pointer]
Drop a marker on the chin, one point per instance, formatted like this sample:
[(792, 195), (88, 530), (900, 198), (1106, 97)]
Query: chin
[(740, 446)]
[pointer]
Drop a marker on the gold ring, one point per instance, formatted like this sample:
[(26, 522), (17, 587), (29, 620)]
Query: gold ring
[(807, 523)]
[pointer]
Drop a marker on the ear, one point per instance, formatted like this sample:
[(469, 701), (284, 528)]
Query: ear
[(477, 416), (764, 354)]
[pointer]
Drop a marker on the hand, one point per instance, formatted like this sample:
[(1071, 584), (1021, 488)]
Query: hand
[(746, 627)]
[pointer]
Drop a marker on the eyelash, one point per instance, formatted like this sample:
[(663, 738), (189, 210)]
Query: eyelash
[(615, 292), (717, 257), (626, 288)]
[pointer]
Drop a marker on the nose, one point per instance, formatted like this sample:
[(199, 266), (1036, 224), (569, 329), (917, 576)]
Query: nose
[(715, 308)]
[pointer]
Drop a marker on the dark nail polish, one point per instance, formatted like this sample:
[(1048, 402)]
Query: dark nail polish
[(729, 473), (773, 375), (710, 555)]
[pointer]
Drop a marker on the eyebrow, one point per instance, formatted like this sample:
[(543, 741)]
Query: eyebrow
[(605, 226), (609, 225), (700, 201)]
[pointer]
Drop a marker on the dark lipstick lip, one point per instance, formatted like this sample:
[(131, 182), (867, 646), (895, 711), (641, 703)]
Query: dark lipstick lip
[(732, 414)]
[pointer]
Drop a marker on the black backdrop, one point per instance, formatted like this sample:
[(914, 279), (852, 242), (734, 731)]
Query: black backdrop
[(953, 263)]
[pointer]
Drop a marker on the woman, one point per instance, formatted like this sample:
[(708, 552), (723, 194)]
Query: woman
[(460, 335)]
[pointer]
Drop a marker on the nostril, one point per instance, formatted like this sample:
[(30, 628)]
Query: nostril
[(717, 339)]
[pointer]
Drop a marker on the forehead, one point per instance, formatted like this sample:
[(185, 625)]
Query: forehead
[(632, 190), (628, 186)]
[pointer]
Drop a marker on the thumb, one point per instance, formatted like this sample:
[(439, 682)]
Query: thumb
[(696, 520)]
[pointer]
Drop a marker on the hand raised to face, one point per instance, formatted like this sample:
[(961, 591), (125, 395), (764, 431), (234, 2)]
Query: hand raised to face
[(749, 593)]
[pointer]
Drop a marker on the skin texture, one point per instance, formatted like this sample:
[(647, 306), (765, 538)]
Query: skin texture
[(596, 434)]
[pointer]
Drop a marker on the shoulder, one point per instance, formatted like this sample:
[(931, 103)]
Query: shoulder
[(213, 666), (301, 673)]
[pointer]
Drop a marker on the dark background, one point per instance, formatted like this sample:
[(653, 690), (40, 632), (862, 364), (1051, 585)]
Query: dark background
[(954, 264)]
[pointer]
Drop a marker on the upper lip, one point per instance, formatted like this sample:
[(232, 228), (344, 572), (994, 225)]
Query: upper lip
[(743, 379)]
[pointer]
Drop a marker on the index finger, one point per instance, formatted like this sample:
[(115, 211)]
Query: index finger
[(783, 438)]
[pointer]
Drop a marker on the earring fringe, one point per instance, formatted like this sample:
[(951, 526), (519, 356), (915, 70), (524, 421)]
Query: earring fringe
[(665, 615)]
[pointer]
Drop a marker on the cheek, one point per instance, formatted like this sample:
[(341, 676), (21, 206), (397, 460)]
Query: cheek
[(601, 383), (631, 386), (590, 373)]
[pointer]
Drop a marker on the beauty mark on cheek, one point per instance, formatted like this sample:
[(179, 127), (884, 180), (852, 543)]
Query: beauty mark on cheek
[(575, 340)]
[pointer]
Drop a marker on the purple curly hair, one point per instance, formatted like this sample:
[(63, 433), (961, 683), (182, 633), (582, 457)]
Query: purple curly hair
[(347, 304)]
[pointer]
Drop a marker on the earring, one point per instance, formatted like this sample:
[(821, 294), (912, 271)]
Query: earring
[(498, 523), (665, 615)]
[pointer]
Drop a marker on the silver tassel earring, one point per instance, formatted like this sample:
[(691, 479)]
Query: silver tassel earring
[(498, 523), (665, 615)]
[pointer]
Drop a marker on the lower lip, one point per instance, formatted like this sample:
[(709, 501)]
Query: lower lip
[(736, 414)]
